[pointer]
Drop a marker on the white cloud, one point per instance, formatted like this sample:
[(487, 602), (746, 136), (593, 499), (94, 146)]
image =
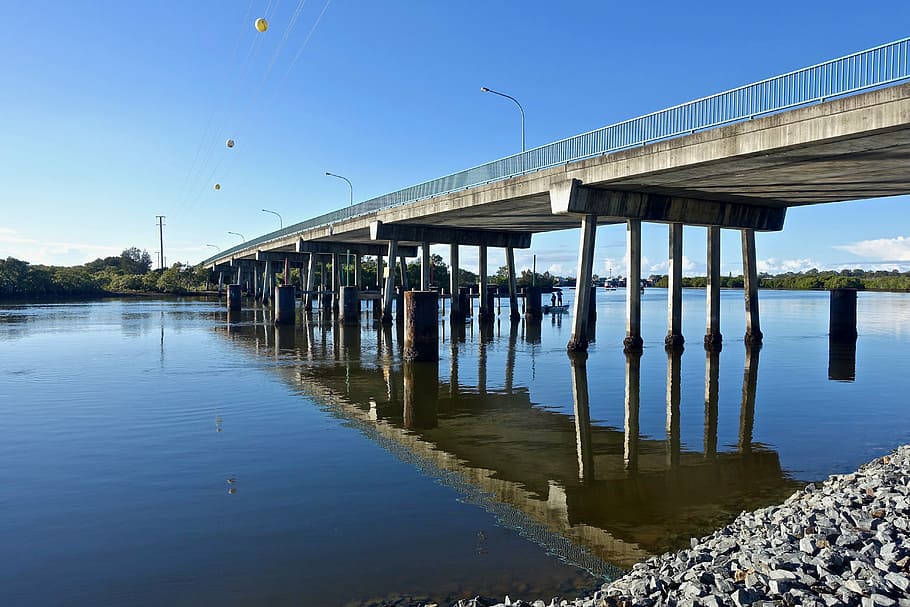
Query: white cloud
[(689, 267), (12, 244), (773, 265), (891, 249)]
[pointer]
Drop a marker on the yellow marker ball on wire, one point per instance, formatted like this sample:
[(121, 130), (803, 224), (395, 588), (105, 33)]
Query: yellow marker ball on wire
[(230, 143), (261, 24), (217, 186)]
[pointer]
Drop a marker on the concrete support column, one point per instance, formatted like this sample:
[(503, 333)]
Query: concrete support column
[(255, 292), (380, 275), (425, 267), (310, 282), (750, 289), (578, 342), (358, 271), (234, 300), (842, 315), (514, 315), (421, 327), (220, 283), (456, 311), (403, 268), (389, 288), (284, 305), (674, 340), (486, 312), (533, 309), (336, 280), (713, 338), (267, 282), (350, 305), (633, 341)]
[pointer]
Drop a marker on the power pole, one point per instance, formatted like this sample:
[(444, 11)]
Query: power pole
[(161, 238)]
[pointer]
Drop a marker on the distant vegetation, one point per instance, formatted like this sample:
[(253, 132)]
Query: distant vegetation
[(880, 280), (130, 271)]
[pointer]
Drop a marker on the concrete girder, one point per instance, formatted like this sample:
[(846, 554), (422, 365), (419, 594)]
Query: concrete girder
[(355, 248), (442, 235), (280, 256), (572, 196)]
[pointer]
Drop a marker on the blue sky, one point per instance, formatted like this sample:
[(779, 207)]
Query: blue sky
[(114, 112)]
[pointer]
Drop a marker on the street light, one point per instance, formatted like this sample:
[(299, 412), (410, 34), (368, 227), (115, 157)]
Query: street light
[(280, 222), (214, 246), (347, 272), (520, 109), (238, 234)]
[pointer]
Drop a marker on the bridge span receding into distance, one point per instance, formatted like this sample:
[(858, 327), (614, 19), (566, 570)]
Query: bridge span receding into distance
[(835, 131)]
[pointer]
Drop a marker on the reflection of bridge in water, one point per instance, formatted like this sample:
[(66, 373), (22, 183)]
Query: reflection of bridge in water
[(619, 496)]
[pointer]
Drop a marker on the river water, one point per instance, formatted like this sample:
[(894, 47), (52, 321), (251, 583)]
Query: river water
[(157, 452)]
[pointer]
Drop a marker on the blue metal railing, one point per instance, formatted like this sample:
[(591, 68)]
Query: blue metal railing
[(875, 67)]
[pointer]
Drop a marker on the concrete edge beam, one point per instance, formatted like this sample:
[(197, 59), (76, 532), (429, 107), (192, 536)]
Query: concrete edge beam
[(436, 234), (355, 248), (571, 196), (280, 256)]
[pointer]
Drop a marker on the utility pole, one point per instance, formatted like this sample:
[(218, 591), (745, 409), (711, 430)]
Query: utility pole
[(161, 238)]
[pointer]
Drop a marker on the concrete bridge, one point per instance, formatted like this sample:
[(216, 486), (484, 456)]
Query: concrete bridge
[(836, 131)]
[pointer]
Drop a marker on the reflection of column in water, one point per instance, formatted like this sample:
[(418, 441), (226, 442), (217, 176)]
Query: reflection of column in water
[(842, 359), (388, 347), (747, 413), (583, 445), (390, 384), (532, 332), (453, 370), (325, 344), (633, 395), (712, 369), (674, 360), (482, 367), (336, 341), (486, 331), (510, 356), (284, 338), (421, 394), (308, 335), (350, 342)]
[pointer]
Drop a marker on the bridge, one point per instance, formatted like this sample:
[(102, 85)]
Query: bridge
[(835, 131)]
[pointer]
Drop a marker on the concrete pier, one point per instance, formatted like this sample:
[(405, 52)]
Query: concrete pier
[(514, 315), (350, 306), (285, 305), (842, 315), (578, 342), (234, 299), (533, 309), (389, 288), (425, 267), (486, 311), (358, 271), (713, 338), (336, 280), (403, 266), (421, 328), (633, 341), (675, 340), (753, 335), (310, 283), (456, 310)]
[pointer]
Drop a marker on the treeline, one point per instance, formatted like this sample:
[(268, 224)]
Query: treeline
[(879, 280), (130, 271)]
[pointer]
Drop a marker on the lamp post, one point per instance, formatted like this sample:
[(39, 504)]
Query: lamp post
[(280, 222), (520, 109), (214, 246), (238, 234), (347, 272)]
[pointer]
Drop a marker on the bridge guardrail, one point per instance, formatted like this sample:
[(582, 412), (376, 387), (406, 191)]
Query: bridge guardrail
[(864, 70)]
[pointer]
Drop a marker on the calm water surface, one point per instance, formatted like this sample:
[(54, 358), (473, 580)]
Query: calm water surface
[(156, 452)]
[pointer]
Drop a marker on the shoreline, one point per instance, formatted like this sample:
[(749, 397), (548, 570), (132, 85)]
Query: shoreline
[(845, 541)]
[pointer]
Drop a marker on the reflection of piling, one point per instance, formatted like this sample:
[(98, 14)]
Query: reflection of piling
[(285, 338), (421, 394), (842, 323), (712, 372), (583, 446), (532, 331), (350, 305), (533, 310), (747, 413), (285, 304), (325, 302), (377, 309), (674, 360), (841, 359), (350, 342), (233, 297), (633, 399), (421, 329)]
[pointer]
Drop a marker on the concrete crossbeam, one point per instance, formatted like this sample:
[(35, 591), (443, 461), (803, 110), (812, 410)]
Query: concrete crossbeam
[(571, 196), (355, 248), (280, 256), (435, 234)]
